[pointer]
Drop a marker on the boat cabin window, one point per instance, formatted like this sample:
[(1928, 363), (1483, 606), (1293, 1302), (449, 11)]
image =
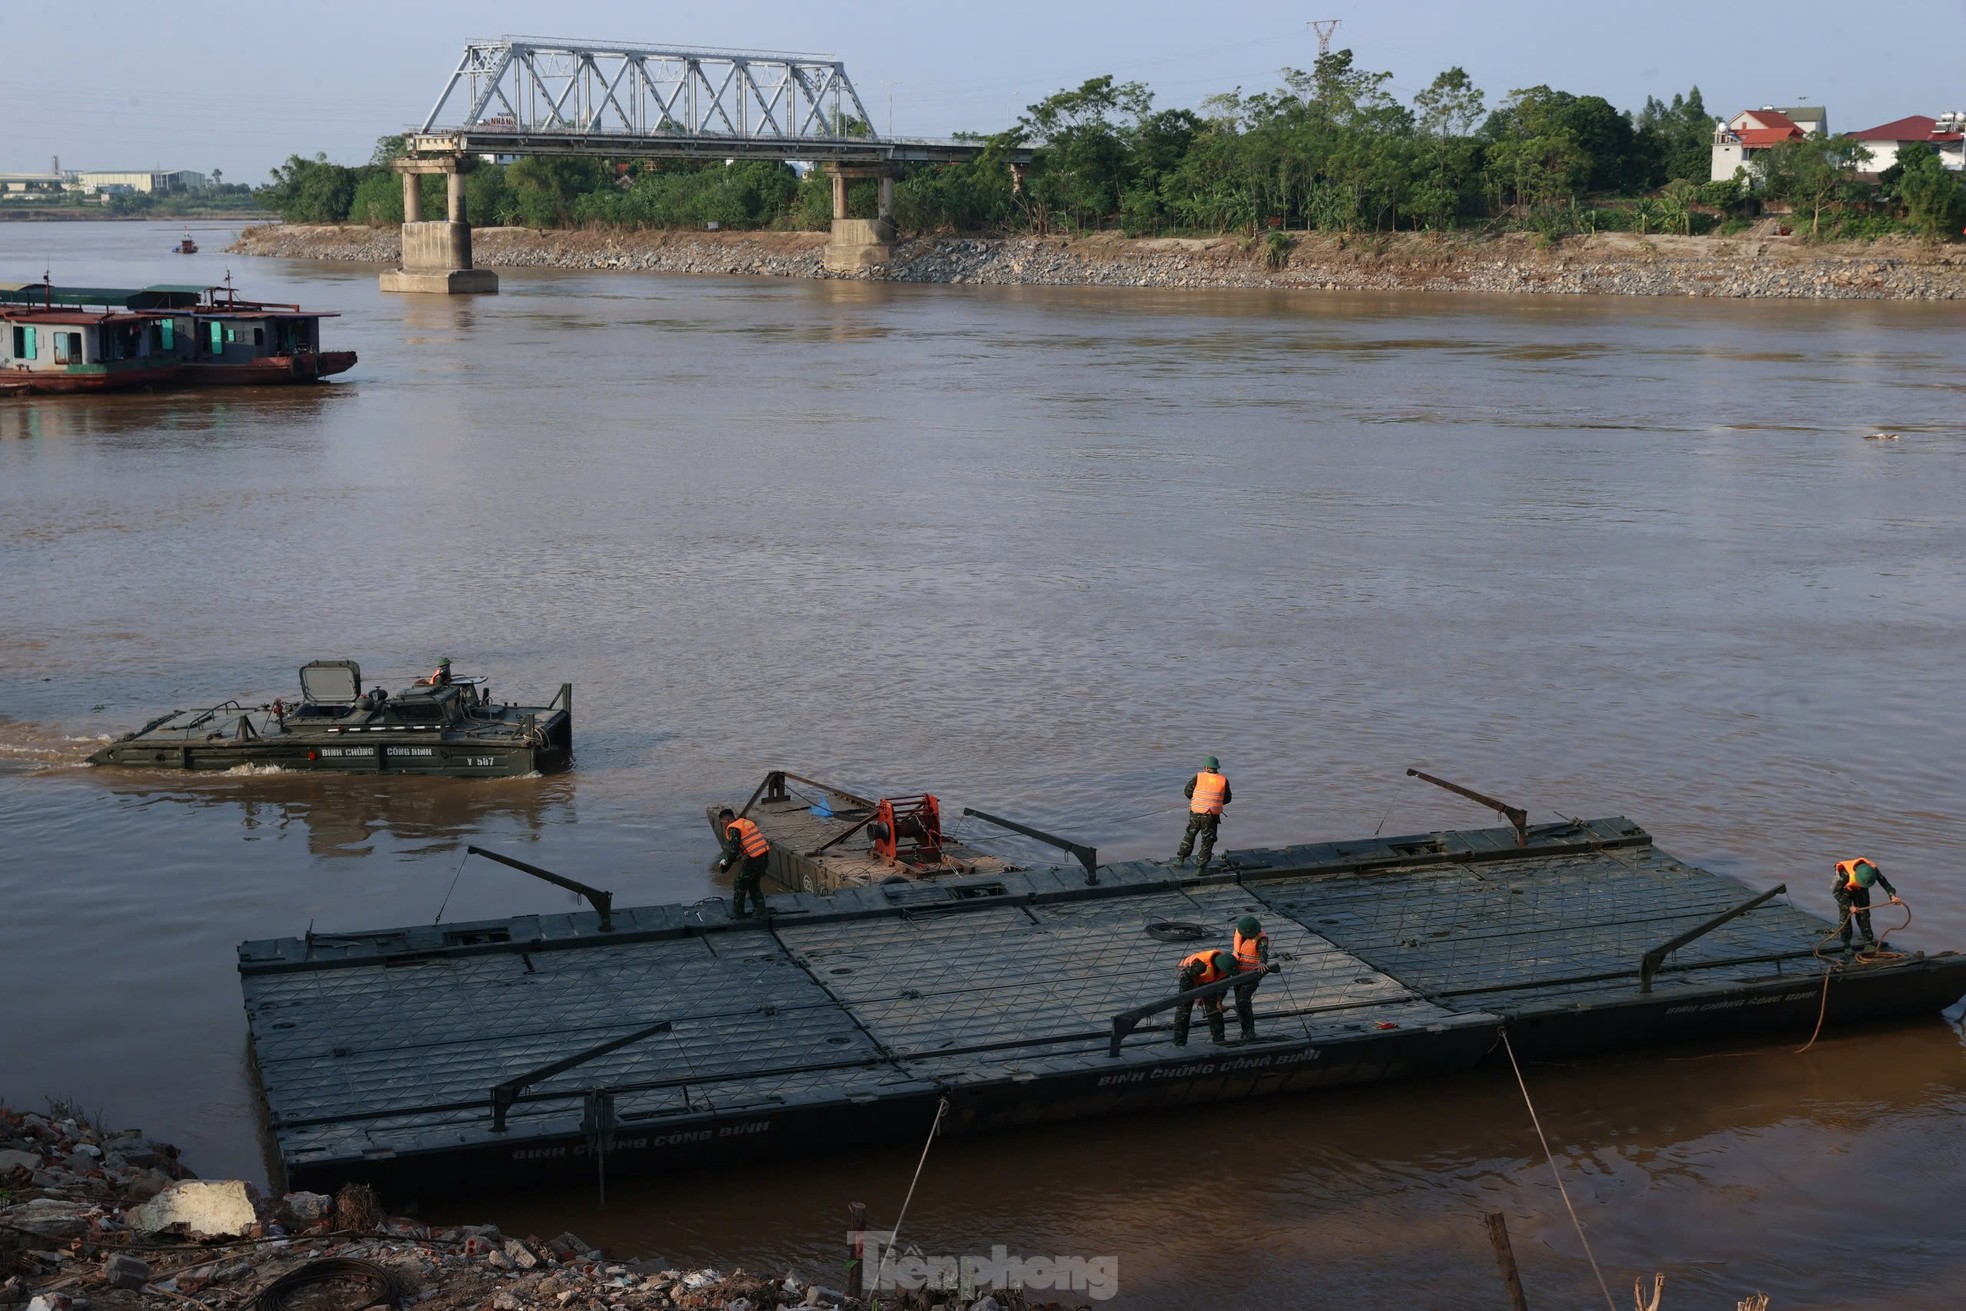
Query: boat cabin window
[(68, 348), (167, 334), (24, 342), (417, 712), (259, 336)]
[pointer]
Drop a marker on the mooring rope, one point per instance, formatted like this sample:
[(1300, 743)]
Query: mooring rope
[(1874, 955), (453, 888), (1556, 1173), (941, 1108)]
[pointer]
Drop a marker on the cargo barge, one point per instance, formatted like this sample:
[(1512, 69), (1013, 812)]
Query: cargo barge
[(451, 728), (57, 340), (503, 1053)]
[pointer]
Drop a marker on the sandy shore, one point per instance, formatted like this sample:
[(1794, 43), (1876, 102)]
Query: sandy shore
[(1605, 264)]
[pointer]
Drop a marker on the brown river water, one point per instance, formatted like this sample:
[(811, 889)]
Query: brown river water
[(1038, 549)]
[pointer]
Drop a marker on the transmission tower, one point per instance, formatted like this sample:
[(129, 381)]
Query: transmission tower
[(1324, 27)]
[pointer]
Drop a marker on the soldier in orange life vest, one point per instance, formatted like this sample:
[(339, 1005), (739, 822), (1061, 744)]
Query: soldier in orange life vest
[(1853, 880), (439, 677), (1204, 967), (1207, 792), (743, 841), (1253, 959)]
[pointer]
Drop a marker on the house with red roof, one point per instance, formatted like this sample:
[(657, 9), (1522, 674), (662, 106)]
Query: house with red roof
[(1736, 141), (1882, 143)]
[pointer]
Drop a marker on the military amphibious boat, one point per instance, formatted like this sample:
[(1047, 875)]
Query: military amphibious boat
[(447, 726)]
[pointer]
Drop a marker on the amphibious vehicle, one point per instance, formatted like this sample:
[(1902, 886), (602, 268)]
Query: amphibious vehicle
[(441, 725)]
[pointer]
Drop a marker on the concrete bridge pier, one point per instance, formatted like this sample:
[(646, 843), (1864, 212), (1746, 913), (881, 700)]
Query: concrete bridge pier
[(859, 244), (437, 255)]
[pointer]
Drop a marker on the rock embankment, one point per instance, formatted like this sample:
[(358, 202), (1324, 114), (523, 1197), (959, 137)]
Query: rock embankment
[(99, 1221), (1606, 264)]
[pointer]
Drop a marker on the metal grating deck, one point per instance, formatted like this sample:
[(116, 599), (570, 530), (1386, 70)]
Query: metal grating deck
[(375, 1045)]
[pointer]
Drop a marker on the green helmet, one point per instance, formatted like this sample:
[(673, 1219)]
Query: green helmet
[(1864, 872), (444, 662), (1211, 764), (1249, 926)]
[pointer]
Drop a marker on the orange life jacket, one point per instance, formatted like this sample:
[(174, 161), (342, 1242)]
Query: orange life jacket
[(1847, 871), (749, 840), (1249, 951), (1213, 971), (1209, 789)]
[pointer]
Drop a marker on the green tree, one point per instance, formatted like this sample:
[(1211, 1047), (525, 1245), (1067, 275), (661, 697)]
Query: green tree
[(309, 190), (1674, 206), (1600, 135), (1675, 140), (1451, 106), (1082, 162), (1533, 155), (1929, 193), (546, 189), (1448, 178), (1812, 173)]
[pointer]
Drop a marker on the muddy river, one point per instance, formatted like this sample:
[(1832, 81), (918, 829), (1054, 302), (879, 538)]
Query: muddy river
[(1038, 549)]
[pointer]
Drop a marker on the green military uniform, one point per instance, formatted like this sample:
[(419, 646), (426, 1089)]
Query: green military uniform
[(748, 884), (1853, 880), (1252, 958), (1202, 823), (1200, 968)]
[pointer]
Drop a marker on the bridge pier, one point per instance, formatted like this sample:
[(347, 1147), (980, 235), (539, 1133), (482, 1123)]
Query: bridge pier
[(859, 244), (437, 255)]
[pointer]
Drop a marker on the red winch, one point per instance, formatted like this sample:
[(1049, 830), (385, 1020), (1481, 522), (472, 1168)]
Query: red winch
[(908, 830)]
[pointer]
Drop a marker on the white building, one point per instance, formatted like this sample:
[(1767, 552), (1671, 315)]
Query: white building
[(1740, 138), (148, 181), (22, 186), (1881, 143), (1750, 132)]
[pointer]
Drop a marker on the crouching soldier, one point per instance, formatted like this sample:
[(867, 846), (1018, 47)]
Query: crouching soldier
[(1198, 970), (1853, 880)]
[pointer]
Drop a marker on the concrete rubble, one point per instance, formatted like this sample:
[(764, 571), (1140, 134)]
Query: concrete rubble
[(98, 1221), (1616, 264)]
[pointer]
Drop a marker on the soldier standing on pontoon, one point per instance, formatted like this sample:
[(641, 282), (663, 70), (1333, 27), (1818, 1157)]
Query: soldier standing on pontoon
[(1207, 792), (744, 842)]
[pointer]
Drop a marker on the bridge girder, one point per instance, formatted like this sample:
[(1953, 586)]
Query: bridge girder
[(535, 96), (538, 85)]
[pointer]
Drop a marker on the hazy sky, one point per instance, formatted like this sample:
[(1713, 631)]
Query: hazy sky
[(240, 86)]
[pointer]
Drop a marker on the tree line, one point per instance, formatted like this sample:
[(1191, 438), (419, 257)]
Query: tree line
[(1331, 149)]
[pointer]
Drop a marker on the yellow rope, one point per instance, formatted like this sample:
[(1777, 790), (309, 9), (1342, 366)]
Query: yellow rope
[(1557, 1174)]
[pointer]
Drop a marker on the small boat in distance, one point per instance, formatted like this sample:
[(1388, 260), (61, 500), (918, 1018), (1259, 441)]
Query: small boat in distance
[(185, 247), (70, 339)]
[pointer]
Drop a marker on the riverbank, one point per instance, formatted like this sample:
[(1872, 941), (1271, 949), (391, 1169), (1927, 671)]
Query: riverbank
[(1619, 264), (93, 1220)]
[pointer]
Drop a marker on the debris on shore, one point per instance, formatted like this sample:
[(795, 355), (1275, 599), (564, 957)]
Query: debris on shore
[(93, 1220)]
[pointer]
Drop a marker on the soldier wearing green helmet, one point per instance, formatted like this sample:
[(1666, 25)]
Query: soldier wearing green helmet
[(1252, 951), (1207, 793), (1853, 882)]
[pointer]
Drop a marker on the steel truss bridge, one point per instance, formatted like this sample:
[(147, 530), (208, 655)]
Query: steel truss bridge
[(534, 96)]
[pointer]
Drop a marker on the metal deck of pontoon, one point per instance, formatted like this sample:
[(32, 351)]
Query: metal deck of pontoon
[(845, 1019)]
